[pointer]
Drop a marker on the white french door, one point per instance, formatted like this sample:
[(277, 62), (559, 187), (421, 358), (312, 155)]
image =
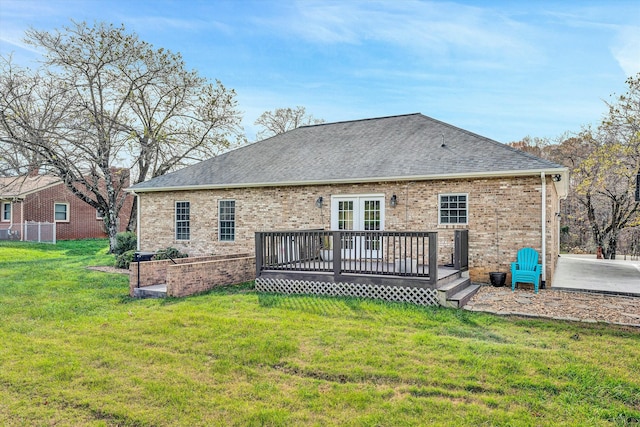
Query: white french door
[(358, 213)]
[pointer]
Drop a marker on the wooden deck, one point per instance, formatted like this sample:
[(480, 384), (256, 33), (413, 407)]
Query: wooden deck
[(391, 265)]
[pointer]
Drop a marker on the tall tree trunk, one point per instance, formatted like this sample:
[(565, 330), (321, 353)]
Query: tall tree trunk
[(133, 217), (613, 245)]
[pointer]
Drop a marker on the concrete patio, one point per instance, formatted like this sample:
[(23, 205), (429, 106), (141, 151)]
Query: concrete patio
[(586, 273)]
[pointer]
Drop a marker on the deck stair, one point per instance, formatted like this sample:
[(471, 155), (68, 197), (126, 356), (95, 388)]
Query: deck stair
[(455, 290)]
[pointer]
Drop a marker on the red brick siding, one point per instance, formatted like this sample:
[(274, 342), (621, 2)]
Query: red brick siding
[(39, 207)]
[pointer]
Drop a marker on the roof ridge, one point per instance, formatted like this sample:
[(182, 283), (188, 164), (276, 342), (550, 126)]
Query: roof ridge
[(360, 120)]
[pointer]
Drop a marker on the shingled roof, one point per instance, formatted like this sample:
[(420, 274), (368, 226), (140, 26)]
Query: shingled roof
[(22, 186), (406, 147)]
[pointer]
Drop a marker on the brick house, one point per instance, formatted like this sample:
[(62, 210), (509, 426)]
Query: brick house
[(400, 174), (45, 198)]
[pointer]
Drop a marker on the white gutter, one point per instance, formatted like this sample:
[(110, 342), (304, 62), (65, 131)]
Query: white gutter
[(564, 172), (544, 229)]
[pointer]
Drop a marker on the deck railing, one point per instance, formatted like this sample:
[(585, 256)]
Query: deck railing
[(383, 253)]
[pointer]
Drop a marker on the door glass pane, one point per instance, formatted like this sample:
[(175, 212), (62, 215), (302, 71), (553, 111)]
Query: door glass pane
[(372, 223), (371, 215), (345, 215), (345, 221)]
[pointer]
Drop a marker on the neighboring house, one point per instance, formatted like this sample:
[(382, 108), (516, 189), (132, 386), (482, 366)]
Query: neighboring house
[(407, 173), (45, 199)]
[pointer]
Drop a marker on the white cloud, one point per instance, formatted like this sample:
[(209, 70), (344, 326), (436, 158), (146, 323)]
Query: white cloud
[(421, 27), (626, 50)]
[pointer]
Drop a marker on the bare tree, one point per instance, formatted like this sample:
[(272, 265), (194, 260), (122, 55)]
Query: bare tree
[(606, 178), (112, 101), (282, 120)]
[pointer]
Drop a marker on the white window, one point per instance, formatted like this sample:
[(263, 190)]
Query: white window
[(183, 220), (227, 220), (99, 215), (454, 209), (61, 212), (6, 211)]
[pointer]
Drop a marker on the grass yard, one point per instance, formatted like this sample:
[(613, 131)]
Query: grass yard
[(76, 350)]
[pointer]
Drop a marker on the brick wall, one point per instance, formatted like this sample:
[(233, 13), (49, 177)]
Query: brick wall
[(193, 278), (504, 216), (190, 276)]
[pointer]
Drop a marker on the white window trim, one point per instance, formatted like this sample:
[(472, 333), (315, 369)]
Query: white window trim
[(98, 216), (2, 208), (444, 224), (67, 212), (235, 221), (175, 221)]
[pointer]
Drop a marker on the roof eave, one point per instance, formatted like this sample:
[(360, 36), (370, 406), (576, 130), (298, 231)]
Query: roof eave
[(24, 194), (561, 186)]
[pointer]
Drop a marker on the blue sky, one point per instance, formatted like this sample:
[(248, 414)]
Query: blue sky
[(503, 69)]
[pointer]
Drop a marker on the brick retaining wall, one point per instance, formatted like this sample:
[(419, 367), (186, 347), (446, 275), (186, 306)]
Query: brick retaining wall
[(193, 275)]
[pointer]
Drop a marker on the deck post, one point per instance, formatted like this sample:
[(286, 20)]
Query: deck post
[(258, 253), (337, 253), (433, 258), (461, 250)]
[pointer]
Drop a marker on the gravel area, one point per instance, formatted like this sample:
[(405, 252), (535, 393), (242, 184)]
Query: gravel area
[(555, 304)]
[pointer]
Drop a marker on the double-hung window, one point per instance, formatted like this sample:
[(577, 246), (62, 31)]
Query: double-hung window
[(454, 209), (227, 220), (61, 212), (183, 220), (6, 211)]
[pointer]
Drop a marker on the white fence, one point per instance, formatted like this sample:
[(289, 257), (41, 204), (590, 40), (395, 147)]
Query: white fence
[(31, 231)]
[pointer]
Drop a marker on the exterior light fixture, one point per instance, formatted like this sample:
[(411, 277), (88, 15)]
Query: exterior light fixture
[(319, 202), (556, 178), (394, 201)]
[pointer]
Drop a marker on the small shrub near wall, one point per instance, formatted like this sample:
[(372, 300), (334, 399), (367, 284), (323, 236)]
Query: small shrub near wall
[(126, 241), (125, 259)]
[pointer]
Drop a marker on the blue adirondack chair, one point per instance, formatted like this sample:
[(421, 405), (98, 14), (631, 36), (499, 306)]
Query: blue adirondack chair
[(526, 269)]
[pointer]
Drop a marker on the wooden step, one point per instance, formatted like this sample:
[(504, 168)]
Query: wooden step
[(451, 287), (460, 298), (448, 277)]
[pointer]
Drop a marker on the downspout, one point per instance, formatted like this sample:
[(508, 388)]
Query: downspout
[(22, 219), (544, 230), (137, 222)]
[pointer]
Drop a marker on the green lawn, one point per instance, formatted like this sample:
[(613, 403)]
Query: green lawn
[(76, 350)]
